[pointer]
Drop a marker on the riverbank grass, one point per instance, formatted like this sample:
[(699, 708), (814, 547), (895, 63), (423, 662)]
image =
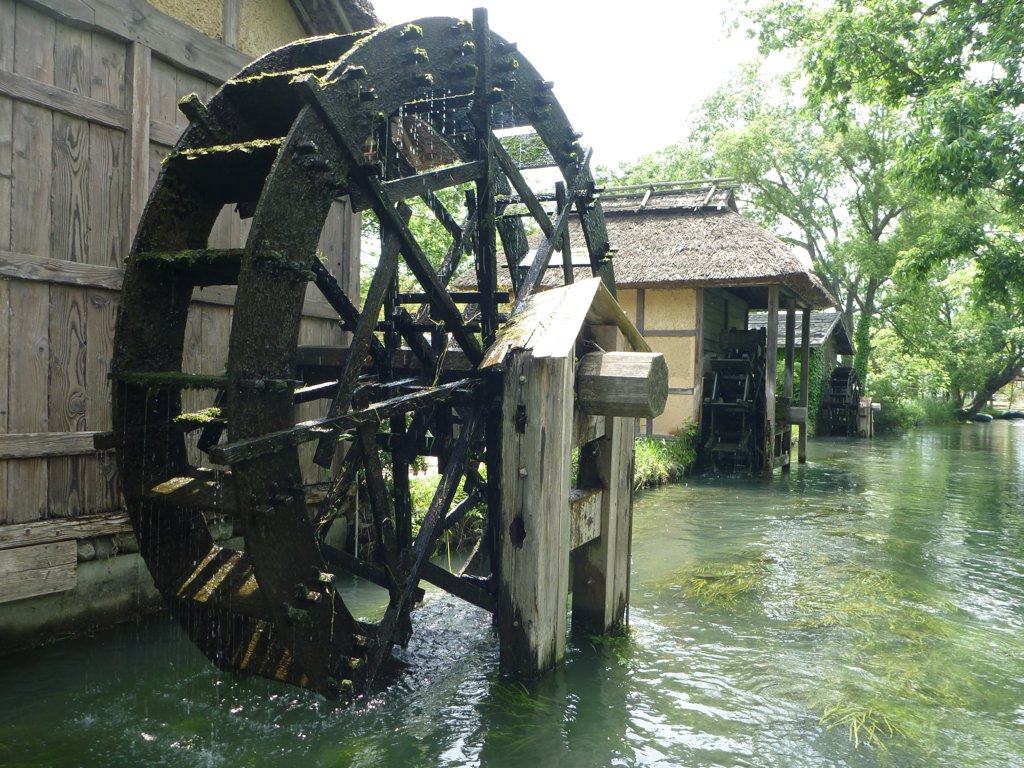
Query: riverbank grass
[(664, 460)]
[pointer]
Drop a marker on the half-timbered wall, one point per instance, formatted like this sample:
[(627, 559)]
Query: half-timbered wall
[(88, 110), (669, 319), (685, 325)]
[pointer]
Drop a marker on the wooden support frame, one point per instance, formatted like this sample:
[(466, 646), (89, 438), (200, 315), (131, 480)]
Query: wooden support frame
[(805, 373), (788, 379), (771, 358), (534, 533), (600, 568)]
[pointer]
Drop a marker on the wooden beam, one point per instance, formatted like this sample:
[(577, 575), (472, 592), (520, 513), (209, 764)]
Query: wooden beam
[(788, 380), (32, 91), (232, 22), (631, 384), (534, 530), (200, 266), (584, 516), (461, 586), (136, 21), (139, 77), (522, 187), (790, 347), (24, 266), (164, 133), (600, 568), (36, 445), (63, 529), (586, 428), (242, 450), (424, 183), (38, 570), (542, 256), (363, 339)]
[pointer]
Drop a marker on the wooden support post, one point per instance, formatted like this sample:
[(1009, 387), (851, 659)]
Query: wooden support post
[(771, 357), (486, 234), (600, 568), (534, 530), (788, 390), (805, 363), (232, 22), (139, 60)]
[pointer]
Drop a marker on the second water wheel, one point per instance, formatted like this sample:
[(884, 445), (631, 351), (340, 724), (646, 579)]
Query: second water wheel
[(297, 129)]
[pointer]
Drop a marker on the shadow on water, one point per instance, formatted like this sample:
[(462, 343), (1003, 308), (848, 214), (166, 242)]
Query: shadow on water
[(865, 610)]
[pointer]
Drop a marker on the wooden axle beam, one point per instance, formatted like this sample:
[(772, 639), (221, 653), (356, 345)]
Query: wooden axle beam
[(631, 384)]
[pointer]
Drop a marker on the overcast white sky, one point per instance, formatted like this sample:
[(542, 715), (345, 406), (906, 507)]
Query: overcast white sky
[(627, 84)]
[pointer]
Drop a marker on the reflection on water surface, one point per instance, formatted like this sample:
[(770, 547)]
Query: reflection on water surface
[(865, 610)]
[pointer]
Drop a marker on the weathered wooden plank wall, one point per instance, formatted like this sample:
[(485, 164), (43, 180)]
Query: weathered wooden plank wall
[(88, 110)]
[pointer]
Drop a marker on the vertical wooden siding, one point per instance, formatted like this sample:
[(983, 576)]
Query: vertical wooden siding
[(68, 198)]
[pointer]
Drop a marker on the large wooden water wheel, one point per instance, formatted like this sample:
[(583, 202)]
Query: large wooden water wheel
[(842, 402), (294, 131)]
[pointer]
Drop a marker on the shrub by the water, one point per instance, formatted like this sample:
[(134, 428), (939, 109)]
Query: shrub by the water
[(900, 415), (664, 460)]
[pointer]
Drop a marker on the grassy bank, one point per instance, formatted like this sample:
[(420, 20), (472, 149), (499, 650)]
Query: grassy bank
[(659, 461), (900, 415)]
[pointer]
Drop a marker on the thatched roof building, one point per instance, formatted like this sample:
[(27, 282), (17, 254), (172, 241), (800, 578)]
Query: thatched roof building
[(692, 237)]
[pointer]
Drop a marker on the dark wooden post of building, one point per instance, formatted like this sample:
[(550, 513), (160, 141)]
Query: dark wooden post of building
[(805, 363), (788, 387), (771, 358)]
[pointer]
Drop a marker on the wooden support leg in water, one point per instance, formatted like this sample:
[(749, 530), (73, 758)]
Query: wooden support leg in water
[(600, 568), (805, 372), (534, 533), (788, 381), (771, 356)]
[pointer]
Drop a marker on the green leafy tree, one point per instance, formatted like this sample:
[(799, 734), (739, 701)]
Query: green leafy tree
[(952, 318), (953, 66), (835, 194)]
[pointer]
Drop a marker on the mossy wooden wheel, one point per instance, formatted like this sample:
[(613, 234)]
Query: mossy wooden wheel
[(281, 141)]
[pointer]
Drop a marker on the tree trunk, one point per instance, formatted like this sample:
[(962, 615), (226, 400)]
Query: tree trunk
[(862, 334), (994, 383)]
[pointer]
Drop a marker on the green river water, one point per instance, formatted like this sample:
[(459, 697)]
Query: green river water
[(865, 610)]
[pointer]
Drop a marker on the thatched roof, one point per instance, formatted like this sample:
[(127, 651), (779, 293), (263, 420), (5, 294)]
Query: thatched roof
[(823, 326), (692, 237)]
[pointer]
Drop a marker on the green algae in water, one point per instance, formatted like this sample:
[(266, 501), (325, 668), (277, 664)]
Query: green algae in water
[(895, 651), (724, 585)]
